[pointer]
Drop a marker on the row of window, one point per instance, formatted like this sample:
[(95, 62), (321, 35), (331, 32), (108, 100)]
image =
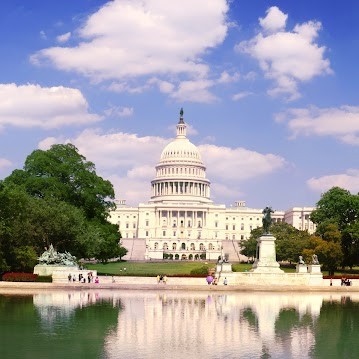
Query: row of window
[(227, 236), (184, 246), (189, 224)]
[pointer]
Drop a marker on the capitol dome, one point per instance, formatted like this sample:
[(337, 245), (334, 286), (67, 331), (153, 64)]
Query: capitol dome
[(180, 173), (181, 149)]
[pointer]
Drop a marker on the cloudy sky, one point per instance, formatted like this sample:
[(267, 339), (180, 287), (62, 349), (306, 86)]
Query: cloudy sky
[(269, 91)]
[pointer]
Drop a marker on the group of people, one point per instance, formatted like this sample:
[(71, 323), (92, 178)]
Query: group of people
[(345, 282), (82, 278), (161, 279), (214, 280)]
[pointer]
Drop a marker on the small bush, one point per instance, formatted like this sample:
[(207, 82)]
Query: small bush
[(200, 271), (44, 279), (19, 277)]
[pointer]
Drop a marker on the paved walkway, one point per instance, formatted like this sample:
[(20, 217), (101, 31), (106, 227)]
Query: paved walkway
[(150, 283)]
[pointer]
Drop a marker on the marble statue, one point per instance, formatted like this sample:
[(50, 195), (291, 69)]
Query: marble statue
[(301, 261), (315, 259)]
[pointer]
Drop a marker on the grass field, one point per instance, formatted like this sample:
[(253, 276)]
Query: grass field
[(171, 268)]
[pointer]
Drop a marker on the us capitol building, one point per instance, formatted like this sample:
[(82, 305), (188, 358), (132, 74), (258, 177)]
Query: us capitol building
[(180, 221)]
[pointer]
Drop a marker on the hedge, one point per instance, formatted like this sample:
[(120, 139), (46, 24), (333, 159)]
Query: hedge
[(19, 277)]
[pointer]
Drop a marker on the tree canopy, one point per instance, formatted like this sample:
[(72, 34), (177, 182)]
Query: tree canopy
[(57, 198), (290, 242), (337, 218)]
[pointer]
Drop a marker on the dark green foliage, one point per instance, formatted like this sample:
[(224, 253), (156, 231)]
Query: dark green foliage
[(290, 242), (56, 199), (200, 271), (337, 219), (44, 279)]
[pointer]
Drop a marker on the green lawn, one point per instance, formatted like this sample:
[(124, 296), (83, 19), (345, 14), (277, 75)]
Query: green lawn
[(171, 268), (148, 269)]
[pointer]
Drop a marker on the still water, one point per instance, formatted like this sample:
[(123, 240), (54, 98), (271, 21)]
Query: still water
[(176, 325)]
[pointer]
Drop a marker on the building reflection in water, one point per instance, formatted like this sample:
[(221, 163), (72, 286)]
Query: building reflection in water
[(188, 325), (185, 325)]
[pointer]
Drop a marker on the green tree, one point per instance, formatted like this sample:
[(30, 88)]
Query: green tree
[(338, 206), (329, 253), (25, 259), (350, 244), (63, 174), (56, 199), (249, 246), (290, 241)]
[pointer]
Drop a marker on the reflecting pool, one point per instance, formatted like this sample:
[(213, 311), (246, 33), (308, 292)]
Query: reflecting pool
[(174, 325)]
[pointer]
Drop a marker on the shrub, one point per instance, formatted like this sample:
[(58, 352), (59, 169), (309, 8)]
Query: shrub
[(200, 271), (19, 277), (44, 279)]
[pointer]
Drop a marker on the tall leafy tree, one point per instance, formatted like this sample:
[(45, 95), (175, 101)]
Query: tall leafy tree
[(290, 241), (57, 198), (63, 174), (338, 207)]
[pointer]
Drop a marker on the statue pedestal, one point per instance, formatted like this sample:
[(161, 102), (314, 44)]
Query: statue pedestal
[(314, 269), (301, 268), (266, 257), (48, 269), (224, 267)]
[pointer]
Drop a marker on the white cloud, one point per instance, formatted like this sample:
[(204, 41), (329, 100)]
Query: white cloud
[(287, 57), (274, 21), (341, 123), (221, 161), (4, 163), (250, 76), (240, 95), (64, 37), (48, 142), (119, 111), (43, 35), (164, 86), (226, 193), (44, 107), (194, 91), (348, 181), (143, 38), (128, 161), (227, 78), (126, 87)]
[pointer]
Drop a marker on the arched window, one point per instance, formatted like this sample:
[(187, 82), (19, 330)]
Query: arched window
[(165, 246), (210, 246), (183, 246), (192, 247), (156, 245), (174, 246), (201, 247)]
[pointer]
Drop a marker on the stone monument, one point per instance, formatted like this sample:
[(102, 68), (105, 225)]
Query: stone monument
[(51, 261), (314, 268), (301, 266), (266, 261), (223, 266)]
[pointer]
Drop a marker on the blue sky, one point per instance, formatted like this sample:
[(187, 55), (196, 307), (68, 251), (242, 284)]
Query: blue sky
[(269, 91)]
